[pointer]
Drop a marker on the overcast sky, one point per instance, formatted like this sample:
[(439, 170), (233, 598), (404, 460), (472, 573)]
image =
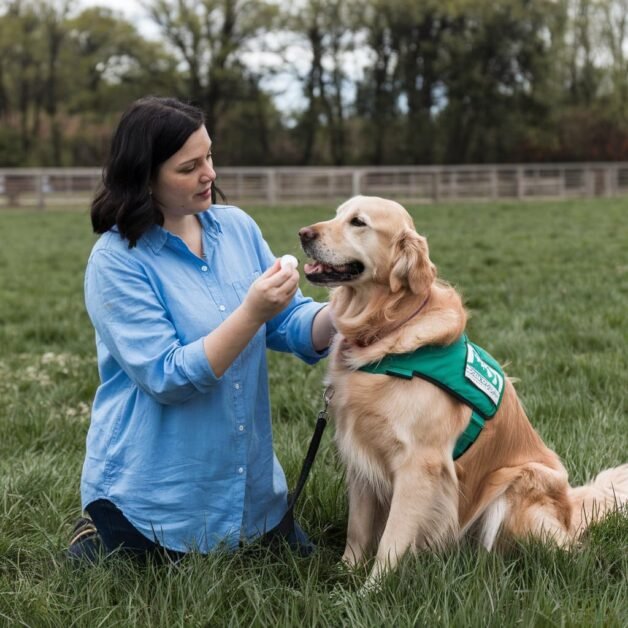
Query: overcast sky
[(131, 9), (287, 91)]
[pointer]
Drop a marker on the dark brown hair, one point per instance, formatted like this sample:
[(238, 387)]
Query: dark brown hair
[(150, 131)]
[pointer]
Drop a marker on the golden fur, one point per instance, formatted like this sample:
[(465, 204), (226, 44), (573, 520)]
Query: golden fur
[(397, 436)]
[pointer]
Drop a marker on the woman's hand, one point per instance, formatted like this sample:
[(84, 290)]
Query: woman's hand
[(268, 295), (271, 293)]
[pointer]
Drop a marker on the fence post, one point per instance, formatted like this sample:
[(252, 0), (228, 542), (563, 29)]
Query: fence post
[(587, 181), (41, 201), (494, 187), (271, 187), (356, 183), (436, 185), (519, 183)]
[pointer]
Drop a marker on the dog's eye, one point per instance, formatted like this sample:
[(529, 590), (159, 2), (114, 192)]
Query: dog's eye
[(356, 222)]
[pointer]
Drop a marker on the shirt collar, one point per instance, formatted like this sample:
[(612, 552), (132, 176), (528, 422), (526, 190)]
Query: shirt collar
[(156, 237)]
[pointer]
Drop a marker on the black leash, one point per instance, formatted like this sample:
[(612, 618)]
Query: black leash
[(286, 525), (321, 424)]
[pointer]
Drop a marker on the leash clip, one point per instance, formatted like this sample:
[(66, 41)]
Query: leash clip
[(327, 396)]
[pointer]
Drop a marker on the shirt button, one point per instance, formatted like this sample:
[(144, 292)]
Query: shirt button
[(204, 268), (222, 308), (240, 470), (236, 386), (241, 428)]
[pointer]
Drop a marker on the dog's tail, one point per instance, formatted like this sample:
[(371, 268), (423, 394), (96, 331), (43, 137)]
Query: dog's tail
[(591, 502)]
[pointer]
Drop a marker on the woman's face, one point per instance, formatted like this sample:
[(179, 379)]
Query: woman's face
[(184, 181)]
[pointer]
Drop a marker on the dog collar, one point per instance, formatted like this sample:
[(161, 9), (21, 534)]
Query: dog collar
[(416, 312)]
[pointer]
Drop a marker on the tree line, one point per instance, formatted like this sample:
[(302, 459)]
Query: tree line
[(368, 81)]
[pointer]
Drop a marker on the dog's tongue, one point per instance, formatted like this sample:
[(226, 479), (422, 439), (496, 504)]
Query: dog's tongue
[(319, 267), (311, 269)]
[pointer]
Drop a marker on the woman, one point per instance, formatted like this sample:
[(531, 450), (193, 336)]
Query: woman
[(185, 296)]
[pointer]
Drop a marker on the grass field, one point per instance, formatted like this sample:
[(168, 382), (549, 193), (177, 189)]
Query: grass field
[(547, 285)]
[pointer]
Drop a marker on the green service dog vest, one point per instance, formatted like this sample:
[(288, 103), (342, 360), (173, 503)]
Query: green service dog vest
[(462, 369)]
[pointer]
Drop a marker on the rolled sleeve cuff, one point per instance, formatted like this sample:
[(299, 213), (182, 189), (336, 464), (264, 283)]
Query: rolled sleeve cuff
[(303, 342), (197, 367)]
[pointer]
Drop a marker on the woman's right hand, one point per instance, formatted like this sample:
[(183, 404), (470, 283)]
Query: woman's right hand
[(271, 293)]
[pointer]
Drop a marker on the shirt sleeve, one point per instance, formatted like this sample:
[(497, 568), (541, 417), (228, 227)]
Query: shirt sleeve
[(133, 324), (291, 330)]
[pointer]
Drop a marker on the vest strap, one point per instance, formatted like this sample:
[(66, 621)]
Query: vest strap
[(463, 370), (470, 435)]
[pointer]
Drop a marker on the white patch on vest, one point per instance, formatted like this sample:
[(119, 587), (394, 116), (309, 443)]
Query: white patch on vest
[(483, 376)]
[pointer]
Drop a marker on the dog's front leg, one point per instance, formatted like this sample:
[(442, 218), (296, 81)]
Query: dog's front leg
[(423, 512), (364, 517)]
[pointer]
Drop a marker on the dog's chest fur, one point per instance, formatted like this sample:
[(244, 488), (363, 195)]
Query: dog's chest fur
[(382, 421)]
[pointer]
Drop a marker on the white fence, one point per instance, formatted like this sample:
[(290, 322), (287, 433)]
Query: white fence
[(62, 187)]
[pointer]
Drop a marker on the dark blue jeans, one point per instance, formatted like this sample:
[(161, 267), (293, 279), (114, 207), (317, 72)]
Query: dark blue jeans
[(116, 532)]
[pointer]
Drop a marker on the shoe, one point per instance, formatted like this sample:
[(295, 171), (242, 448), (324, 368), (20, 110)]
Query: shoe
[(85, 543)]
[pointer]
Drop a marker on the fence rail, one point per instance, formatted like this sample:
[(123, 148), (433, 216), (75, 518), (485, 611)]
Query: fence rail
[(49, 187)]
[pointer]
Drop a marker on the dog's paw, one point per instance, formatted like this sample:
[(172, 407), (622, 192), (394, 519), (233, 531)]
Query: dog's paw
[(372, 586)]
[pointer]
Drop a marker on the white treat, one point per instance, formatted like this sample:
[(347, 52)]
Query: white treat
[(289, 260)]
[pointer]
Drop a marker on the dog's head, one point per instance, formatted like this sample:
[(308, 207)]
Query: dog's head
[(371, 240)]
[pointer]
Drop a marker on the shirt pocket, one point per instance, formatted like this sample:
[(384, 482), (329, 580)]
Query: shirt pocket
[(241, 286)]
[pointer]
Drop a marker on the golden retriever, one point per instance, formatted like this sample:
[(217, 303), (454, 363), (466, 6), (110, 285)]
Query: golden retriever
[(396, 436)]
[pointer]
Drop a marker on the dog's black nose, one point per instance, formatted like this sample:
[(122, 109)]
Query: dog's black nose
[(307, 234)]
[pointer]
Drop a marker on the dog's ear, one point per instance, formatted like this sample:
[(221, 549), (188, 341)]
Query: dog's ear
[(411, 265)]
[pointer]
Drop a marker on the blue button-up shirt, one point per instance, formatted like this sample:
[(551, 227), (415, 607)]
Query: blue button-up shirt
[(187, 456)]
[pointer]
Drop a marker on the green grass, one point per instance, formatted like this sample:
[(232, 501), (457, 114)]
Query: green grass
[(547, 285)]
